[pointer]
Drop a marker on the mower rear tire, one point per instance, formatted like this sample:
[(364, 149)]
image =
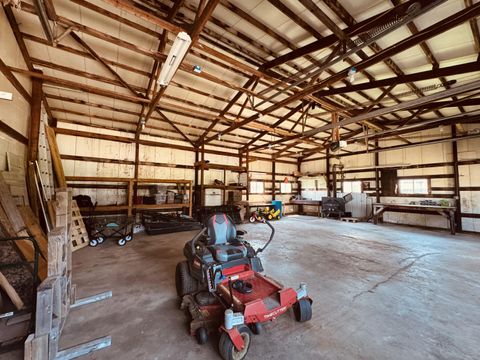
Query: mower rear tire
[(228, 350), (303, 310), (202, 335), (184, 282)]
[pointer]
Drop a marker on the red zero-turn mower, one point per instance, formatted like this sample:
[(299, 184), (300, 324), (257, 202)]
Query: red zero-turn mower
[(223, 289)]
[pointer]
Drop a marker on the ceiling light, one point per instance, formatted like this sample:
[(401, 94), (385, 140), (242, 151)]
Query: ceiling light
[(351, 74), (142, 124), (174, 58), (197, 69), (219, 136)]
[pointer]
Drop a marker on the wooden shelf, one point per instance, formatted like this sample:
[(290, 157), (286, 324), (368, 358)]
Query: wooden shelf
[(186, 184), (111, 208), (225, 187), (210, 166)]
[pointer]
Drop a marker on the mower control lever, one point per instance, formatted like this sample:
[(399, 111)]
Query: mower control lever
[(194, 240), (265, 221)]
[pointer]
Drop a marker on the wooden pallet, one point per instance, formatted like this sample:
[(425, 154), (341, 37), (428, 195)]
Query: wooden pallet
[(78, 232), (350, 219)]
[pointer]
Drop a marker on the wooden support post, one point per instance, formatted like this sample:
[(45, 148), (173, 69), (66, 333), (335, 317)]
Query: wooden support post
[(195, 184), (33, 137), (456, 181), (136, 171), (327, 165), (247, 167), (299, 183), (377, 175), (190, 199), (130, 194), (202, 178), (273, 179)]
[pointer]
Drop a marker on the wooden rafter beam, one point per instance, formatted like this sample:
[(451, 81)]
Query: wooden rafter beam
[(119, 78), (419, 76), (155, 72), (398, 107), (25, 54), (438, 28), (197, 29), (474, 28), (7, 72)]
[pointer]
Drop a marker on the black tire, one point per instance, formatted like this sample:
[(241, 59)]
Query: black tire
[(100, 239), (256, 328), (303, 310), (227, 349), (202, 335), (93, 242), (121, 242), (184, 282)]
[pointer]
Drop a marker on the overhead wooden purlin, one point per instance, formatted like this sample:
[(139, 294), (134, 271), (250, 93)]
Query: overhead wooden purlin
[(240, 131)]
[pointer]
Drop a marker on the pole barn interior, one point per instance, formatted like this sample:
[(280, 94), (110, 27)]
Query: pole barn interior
[(130, 127)]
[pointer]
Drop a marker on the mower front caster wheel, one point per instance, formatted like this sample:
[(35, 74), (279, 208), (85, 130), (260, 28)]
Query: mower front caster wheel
[(93, 242), (121, 242), (228, 350), (202, 335), (303, 310), (256, 328)]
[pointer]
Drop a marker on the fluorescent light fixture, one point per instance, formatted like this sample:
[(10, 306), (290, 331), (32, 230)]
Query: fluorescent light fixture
[(174, 58)]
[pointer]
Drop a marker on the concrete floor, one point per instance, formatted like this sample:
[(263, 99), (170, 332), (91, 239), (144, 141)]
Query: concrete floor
[(380, 292)]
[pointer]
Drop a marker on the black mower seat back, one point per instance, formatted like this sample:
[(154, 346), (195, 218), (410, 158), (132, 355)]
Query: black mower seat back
[(222, 239)]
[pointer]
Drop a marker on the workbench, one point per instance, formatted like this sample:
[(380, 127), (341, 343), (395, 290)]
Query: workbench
[(301, 203), (446, 211)]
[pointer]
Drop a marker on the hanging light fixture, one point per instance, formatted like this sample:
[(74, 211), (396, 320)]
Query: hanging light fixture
[(351, 74), (175, 56)]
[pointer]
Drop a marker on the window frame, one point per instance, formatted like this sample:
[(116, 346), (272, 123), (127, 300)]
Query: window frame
[(286, 192), (352, 181), (256, 182), (413, 193)]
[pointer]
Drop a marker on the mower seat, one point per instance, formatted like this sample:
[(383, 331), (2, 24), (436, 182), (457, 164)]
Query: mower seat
[(222, 239), (227, 252)]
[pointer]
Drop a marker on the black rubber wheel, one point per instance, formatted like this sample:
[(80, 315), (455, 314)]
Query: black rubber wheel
[(121, 242), (100, 239), (202, 335), (93, 242), (184, 282), (303, 310), (256, 328), (227, 349)]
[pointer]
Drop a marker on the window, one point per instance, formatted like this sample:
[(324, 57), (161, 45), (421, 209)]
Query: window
[(352, 186), (256, 187), (413, 186), (285, 188)]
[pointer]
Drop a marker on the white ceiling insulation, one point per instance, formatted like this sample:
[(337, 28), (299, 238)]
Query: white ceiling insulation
[(249, 33)]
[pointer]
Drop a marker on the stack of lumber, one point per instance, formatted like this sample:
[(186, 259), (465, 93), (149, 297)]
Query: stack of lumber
[(15, 179), (13, 225)]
